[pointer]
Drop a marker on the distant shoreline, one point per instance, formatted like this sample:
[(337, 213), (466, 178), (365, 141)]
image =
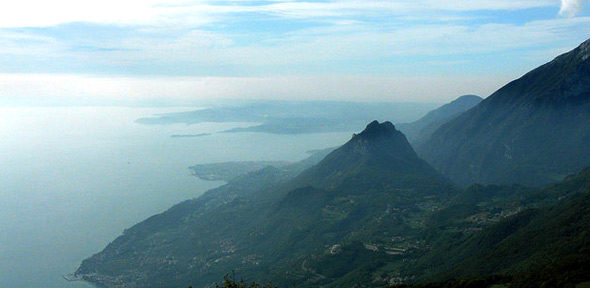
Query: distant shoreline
[(189, 135)]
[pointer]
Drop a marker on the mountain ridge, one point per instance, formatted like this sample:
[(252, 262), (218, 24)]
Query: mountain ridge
[(419, 130), (532, 131)]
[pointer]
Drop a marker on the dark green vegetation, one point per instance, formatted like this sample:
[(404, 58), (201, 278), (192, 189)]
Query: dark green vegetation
[(538, 247), (421, 129), (572, 271), (533, 131), (231, 282), (553, 234), (296, 117)]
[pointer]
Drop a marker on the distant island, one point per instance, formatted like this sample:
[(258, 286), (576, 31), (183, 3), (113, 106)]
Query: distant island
[(190, 135)]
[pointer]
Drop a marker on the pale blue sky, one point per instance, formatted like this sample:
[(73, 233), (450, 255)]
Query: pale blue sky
[(182, 51)]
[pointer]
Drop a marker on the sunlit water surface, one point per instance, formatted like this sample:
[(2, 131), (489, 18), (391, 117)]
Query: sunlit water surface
[(71, 179)]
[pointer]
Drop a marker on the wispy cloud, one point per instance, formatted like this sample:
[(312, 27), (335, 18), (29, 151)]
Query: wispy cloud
[(458, 5), (570, 8), (36, 13), (25, 43), (358, 42)]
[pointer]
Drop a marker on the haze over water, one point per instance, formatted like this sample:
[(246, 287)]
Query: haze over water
[(71, 179)]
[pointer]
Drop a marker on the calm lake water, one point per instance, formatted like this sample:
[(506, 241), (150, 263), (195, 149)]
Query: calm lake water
[(71, 179)]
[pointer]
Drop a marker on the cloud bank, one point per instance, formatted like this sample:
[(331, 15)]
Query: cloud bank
[(192, 13)]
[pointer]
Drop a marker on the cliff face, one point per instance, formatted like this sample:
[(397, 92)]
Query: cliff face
[(421, 129)]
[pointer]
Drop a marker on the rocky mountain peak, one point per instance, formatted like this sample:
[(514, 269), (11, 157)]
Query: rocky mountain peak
[(378, 130), (379, 147)]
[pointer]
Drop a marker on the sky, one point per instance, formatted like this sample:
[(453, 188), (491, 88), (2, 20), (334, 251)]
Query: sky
[(178, 52)]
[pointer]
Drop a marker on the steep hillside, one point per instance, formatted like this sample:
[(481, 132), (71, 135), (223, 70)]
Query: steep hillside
[(533, 131), (421, 129)]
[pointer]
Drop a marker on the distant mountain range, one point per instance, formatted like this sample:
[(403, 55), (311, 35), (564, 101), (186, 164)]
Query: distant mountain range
[(295, 117), (421, 129), (372, 213), (533, 131)]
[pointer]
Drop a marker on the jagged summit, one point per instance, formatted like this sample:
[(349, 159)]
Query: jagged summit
[(381, 140), (376, 130)]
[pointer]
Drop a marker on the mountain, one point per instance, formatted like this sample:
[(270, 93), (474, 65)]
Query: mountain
[(378, 149), (533, 131), (328, 226), (421, 129)]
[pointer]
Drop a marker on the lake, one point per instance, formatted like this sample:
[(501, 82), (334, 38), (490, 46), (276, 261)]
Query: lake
[(73, 178)]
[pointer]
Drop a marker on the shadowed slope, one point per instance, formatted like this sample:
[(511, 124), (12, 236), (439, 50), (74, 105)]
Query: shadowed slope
[(533, 131)]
